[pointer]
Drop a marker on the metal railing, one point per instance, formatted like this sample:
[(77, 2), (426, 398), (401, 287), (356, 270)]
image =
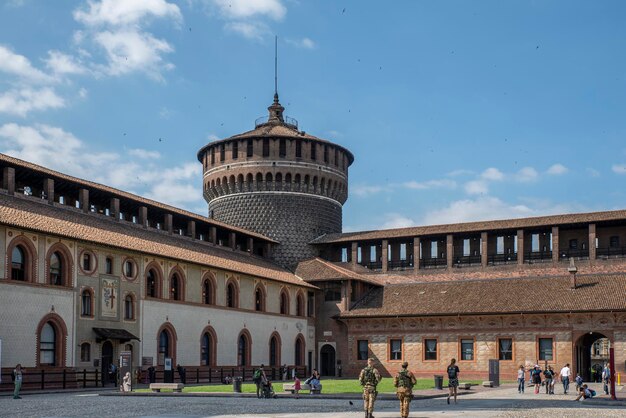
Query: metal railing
[(399, 264), (495, 259), (265, 119), (616, 252), (54, 379), (467, 261), (574, 253), (433, 263), (537, 256), (374, 265)]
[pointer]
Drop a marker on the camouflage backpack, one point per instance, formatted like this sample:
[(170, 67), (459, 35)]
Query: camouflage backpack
[(404, 381), (369, 378)]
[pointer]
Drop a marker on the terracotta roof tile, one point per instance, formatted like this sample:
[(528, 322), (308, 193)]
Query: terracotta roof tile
[(36, 215), (316, 269), (520, 295), (474, 227), (12, 161)]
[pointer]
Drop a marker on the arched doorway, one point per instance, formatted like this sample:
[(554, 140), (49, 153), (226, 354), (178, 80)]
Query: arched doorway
[(107, 359), (591, 351), (327, 360)]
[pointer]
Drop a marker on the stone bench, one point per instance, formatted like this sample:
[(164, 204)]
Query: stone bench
[(289, 387), (488, 384), (176, 387), (465, 385)]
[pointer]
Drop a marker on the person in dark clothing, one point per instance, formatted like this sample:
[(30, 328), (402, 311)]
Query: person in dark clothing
[(182, 373)]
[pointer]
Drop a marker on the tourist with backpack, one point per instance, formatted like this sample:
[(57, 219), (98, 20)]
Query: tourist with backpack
[(535, 376), (549, 380), (369, 379), (16, 376), (404, 382), (453, 380), (259, 378)]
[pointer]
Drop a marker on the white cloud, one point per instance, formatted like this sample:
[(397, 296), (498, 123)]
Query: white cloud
[(244, 9), (59, 150), (129, 51), (165, 113), (19, 66), (63, 64), (144, 154), (459, 172), (363, 190), (526, 174), (593, 172), (82, 93), (492, 174), (22, 101), (124, 12), (476, 187), (482, 208), (429, 184), (557, 169), (212, 137), (619, 168), (250, 30), (305, 43), (396, 220)]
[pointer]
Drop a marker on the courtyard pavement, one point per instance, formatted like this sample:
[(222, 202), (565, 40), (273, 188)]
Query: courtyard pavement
[(500, 402)]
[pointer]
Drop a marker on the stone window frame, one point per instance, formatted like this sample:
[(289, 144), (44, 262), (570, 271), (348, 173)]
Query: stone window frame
[(232, 282), (66, 264), (537, 347), (133, 301), (284, 293), (402, 352), (60, 341), (132, 277), (248, 354), (213, 346), (437, 358), (106, 260), (512, 348), (300, 304), (94, 261), (91, 313), (302, 353), (210, 278), (173, 338), (82, 346), (263, 301), (460, 349), (30, 259), (367, 354), (279, 349), (177, 271), (153, 265)]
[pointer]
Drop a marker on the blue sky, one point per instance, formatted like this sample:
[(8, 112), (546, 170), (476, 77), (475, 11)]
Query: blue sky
[(454, 110)]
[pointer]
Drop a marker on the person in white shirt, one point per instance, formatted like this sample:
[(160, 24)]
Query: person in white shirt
[(565, 374)]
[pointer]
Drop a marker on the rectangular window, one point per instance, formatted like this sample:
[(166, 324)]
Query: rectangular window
[(282, 148), (467, 349), (266, 147), (87, 262), (359, 257), (466, 247), (430, 349), (212, 156), (505, 349), (222, 152), (332, 291), (344, 255), (433, 249), (573, 244), (499, 245), (372, 253), (402, 251), (313, 151), (395, 349), (534, 243), (298, 148), (362, 349), (614, 241), (250, 148), (325, 153), (235, 150), (545, 349), (310, 304), (337, 157)]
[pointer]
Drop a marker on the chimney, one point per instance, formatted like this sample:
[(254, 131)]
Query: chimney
[(572, 269)]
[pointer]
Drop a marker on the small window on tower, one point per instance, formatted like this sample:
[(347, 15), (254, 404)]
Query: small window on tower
[(212, 156), (325, 153), (282, 148), (235, 150), (313, 151), (298, 148), (266, 147), (250, 148), (222, 152)]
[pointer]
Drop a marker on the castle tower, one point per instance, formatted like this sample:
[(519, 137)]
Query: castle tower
[(278, 181)]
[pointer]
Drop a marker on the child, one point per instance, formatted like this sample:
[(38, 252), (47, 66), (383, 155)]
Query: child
[(579, 382), (297, 387)]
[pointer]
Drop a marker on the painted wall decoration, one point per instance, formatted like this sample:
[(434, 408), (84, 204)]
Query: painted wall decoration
[(109, 295)]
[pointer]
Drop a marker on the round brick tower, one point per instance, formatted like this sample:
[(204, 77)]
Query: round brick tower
[(278, 181)]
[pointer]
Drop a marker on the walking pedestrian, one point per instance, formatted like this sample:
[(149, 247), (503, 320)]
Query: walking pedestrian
[(453, 380), (565, 374), (296, 387), (404, 382), (520, 379), (549, 377), (536, 377), (606, 378), (17, 380), (259, 378), (369, 379)]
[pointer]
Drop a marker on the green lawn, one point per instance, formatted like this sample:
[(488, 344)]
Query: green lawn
[(328, 386)]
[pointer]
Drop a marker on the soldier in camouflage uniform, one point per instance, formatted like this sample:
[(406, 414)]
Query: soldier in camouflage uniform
[(404, 382), (369, 379)]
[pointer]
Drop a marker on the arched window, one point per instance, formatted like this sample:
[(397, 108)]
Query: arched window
[(259, 299), (299, 354), (129, 269), (18, 263), (208, 293), (48, 345), (243, 350), (164, 346), (85, 352), (232, 298), (175, 287), (86, 298), (152, 284), (275, 348), (208, 344), (300, 304), (108, 265), (284, 302), (129, 307), (56, 270)]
